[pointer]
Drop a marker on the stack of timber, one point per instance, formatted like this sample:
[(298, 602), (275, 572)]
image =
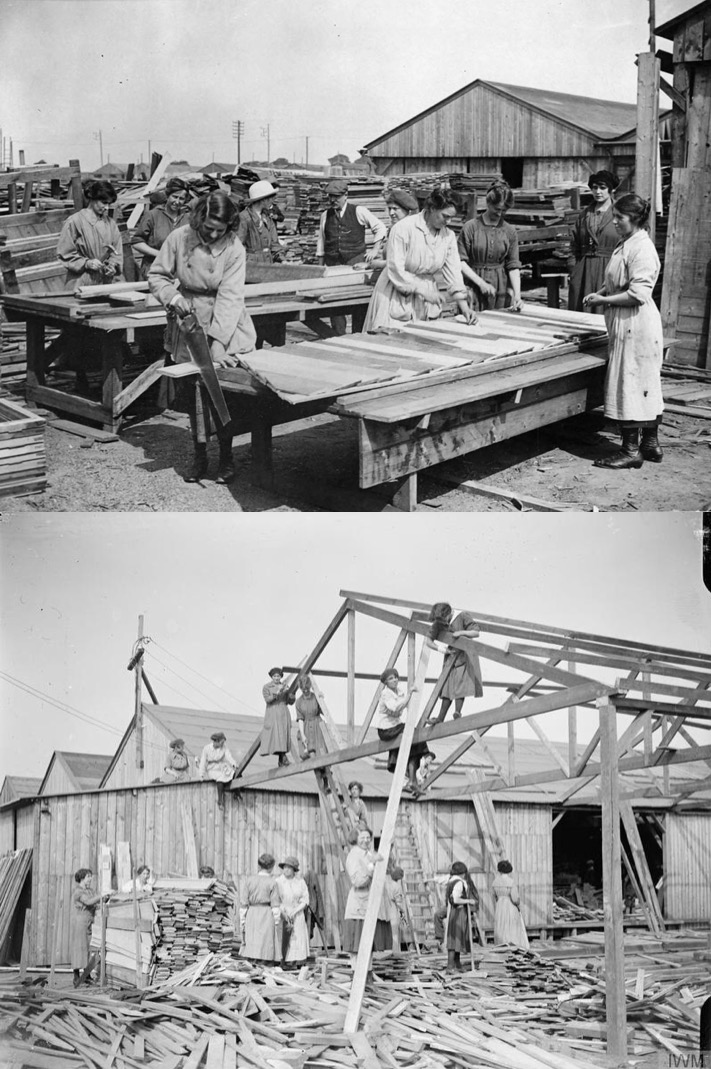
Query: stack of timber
[(131, 933), (44, 186), (28, 251), (196, 918), (23, 461), (517, 1010), (14, 869)]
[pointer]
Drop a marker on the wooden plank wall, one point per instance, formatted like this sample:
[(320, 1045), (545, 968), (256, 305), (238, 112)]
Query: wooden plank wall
[(488, 122), (687, 862), (155, 752), (58, 781), (17, 828), (686, 293)]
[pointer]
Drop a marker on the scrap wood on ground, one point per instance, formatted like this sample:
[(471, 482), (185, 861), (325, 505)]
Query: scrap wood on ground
[(516, 1010)]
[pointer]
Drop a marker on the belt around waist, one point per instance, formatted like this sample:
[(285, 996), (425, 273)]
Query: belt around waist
[(485, 267), (197, 293)]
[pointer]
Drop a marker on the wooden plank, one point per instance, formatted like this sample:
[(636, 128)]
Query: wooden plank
[(377, 887), (191, 852), (615, 1000), (383, 462)]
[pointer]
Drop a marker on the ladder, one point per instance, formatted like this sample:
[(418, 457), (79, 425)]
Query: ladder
[(418, 881)]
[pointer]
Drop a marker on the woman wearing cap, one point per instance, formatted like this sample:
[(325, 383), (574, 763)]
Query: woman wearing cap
[(419, 247), (216, 761), (201, 268), (360, 867), (593, 240), (257, 230), (293, 900), (259, 916), (393, 702), (89, 242), (461, 897), (177, 766), (488, 247), (158, 222), (276, 732), (461, 668), (508, 921), (633, 385)]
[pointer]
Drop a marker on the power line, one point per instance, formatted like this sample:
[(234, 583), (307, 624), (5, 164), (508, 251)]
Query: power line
[(58, 704), (189, 668), (188, 683)]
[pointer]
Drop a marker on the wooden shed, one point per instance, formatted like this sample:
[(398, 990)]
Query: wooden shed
[(68, 772), (14, 787), (686, 294), (534, 137)]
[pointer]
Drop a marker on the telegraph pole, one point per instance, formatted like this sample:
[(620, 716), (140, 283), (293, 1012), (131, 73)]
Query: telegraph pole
[(98, 137), (307, 151), (237, 132), (266, 132)]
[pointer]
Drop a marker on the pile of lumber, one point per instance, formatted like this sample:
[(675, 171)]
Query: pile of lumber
[(196, 918), (131, 933), (14, 869), (517, 1010), (23, 459), (567, 912)]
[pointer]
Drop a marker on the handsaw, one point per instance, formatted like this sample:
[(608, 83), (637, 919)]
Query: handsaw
[(199, 349)]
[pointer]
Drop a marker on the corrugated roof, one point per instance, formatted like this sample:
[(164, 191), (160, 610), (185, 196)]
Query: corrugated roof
[(604, 118), (196, 725)]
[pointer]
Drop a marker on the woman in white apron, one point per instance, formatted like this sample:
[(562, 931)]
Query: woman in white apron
[(633, 386)]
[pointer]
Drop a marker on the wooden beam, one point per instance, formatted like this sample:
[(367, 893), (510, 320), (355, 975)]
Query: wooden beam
[(629, 662), (475, 721), (350, 692), (647, 136), (579, 639), (572, 730), (377, 886), (392, 661), (615, 997)]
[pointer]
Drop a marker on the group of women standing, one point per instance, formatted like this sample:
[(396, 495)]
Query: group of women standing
[(273, 914), (456, 923)]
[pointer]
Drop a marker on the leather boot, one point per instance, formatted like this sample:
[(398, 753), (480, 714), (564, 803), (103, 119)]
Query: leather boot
[(452, 961), (629, 456), (199, 468), (226, 470), (649, 447)]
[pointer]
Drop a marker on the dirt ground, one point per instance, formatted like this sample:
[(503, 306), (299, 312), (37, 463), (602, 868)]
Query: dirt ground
[(316, 467)]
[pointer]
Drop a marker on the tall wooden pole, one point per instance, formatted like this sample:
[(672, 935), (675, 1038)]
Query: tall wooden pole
[(350, 707), (647, 140), (138, 696), (615, 997)]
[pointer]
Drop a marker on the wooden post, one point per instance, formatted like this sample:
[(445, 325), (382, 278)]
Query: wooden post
[(386, 839), (647, 132), (572, 731), (615, 1002), (137, 699), (350, 698)]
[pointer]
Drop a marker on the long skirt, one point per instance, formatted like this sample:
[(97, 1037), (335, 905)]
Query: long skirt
[(260, 935), (352, 928), (295, 941), (508, 924), (458, 929), (464, 677), (80, 930)]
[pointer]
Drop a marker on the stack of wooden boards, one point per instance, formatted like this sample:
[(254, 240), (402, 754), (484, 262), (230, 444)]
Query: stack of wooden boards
[(517, 1010), (196, 918), (28, 251), (23, 461), (424, 355), (14, 870)]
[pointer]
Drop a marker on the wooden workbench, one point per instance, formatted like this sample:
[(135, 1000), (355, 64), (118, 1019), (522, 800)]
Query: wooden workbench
[(436, 391), (111, 331)]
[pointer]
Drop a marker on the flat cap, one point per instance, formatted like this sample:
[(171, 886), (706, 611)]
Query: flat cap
[(337, 187)]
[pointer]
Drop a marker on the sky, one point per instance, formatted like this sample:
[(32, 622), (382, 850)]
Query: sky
[(225, 597), (178, 73)]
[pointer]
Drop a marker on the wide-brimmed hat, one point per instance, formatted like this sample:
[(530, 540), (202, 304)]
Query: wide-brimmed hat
[(337, 187), (260, 191), (217, 736), (292, 862)]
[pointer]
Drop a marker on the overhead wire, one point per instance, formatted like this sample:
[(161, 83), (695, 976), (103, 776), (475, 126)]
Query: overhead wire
[(232, 697)]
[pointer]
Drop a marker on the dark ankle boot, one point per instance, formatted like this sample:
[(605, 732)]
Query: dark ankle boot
[(226, 470), (629, 456), (649, 447), (77, 977), (199, 468), (451, 961)]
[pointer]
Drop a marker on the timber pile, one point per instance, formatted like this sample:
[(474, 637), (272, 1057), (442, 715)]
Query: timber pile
[(14, 869), (517, 1011), (196, 918), (567, 912), (23, 460)]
